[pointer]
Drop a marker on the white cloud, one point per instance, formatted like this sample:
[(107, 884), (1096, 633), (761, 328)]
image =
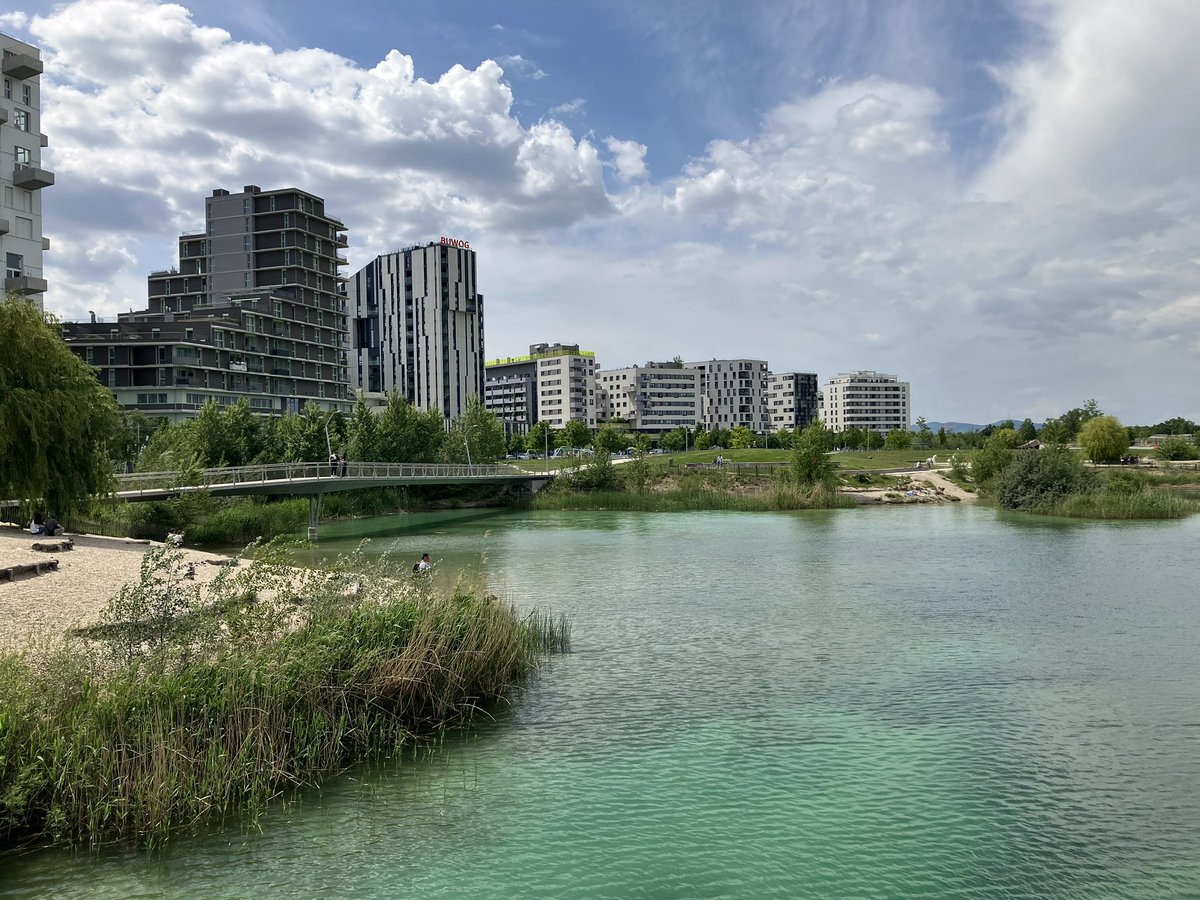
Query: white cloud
[(569, 108), (842, 233), (525, 68)]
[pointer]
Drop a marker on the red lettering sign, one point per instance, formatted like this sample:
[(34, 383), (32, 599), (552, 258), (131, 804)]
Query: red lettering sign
[(455, 242)]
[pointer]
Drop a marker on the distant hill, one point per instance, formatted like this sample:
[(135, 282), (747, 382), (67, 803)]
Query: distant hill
[(960, 427)]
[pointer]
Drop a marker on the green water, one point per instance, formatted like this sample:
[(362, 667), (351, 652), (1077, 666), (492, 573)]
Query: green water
[(889, 702)]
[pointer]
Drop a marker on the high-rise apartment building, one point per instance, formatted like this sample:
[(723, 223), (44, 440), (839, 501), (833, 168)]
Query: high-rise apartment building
[(866, 399), (21, 174), (418, 327), (656, 397), (792, 400), (733, 393), (254, 310), (554, 383)]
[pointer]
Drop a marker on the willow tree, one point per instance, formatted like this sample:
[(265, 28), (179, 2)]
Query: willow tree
[(55, 416)]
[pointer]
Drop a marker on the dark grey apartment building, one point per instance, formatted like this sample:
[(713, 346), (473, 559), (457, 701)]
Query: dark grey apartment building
[(254, 310)]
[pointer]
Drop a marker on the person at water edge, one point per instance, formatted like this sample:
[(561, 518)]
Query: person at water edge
[(423, 565), (333, 464), (52, 527)]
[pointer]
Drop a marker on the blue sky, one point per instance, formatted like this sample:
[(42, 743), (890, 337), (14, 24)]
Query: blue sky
[(997, 201)]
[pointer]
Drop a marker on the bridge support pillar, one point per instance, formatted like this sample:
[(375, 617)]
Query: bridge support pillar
[(314, 515)]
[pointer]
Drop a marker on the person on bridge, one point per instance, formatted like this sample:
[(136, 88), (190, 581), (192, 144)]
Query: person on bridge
[(345, 462), (333, 464)]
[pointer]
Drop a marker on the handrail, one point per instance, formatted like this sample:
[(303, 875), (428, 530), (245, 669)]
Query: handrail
[(234, 476)]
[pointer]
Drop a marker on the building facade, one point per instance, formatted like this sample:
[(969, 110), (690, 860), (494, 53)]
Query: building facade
[(554, 383), (733, 393), (418, 327), (510, 392), (254, 310), (792, 400), (866, 399), (656, 397), (22, 176)]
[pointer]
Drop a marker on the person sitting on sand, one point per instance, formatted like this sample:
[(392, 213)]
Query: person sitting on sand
[(37, 526), (52, 527)]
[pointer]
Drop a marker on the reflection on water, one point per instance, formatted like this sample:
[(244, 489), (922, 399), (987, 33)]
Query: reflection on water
[(879, 702)]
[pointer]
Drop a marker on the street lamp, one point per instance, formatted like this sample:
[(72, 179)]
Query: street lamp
[(467, 441)]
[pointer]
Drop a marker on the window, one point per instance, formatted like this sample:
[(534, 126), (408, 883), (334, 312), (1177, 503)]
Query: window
[(20, 120), (188, 334), (21, 155), (7, 88), (27, 94), (14, 265), (246, 242)]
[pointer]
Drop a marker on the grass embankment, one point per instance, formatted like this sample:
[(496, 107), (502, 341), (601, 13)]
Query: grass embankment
[(208, 520), (684, 491), (177, 713)]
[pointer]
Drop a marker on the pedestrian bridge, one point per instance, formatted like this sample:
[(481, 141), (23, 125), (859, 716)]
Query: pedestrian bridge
[(315, 479)]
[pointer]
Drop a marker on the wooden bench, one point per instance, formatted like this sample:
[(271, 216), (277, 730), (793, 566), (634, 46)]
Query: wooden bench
[(53, 546), (12, 572)]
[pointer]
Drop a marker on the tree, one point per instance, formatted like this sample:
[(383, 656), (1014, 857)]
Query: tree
[(539, 439), (1037, 477), (1178, 447), (363, 431), (1027, 432), (476, 436), (924, 434), (55, 416), (516, 442), (996, 455), (611, 440), (407, 434), (810, 463), (898, 439), (575, 434), (941, 436), (741, 438), (674, 440), (1103, 439)]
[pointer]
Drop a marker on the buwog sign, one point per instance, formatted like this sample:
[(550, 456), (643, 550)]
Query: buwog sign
[(455, 242)]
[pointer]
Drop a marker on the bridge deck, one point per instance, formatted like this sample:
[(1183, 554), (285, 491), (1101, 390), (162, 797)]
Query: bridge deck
[(311, 478)]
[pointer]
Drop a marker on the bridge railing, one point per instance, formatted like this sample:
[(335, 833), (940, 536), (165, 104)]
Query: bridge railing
[(309, 471)]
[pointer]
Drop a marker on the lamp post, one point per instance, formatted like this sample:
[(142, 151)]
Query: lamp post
[(467, 441)]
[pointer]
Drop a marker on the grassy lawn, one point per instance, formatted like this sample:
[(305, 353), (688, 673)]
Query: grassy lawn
[(884, 459)]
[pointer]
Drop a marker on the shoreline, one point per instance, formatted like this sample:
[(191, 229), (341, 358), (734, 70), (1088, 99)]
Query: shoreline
[(77, 592)]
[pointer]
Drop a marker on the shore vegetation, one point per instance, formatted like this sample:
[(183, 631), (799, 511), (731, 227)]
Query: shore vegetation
[(182, 709)]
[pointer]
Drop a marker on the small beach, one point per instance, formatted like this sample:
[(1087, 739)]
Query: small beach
[(78, 591)]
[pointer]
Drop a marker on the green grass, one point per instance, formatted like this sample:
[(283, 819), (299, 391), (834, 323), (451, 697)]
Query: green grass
[(875, 460), (703, 490), (185, 716)]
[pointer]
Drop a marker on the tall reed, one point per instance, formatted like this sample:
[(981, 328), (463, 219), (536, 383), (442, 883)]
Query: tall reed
[(300, 674), (1105, 505)]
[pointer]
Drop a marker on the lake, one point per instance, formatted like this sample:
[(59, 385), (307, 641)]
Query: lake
[(882, 702)]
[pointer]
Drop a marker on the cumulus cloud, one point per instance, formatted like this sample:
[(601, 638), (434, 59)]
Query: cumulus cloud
[(845, 231)]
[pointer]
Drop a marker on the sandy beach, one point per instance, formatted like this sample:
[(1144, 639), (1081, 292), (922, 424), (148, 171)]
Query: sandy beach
[(78, 592), (927, 486)]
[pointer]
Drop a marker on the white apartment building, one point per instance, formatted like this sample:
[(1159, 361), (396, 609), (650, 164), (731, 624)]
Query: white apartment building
[(651, 398), (417, 327), (21, 174), (733, 393), (792, 400), (866, 399), (566, 384)]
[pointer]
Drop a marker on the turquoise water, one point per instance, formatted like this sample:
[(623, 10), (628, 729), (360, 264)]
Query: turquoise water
[(893, 702)]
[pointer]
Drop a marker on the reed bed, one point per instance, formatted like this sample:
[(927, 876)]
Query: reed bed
[(1105, 505), (699, 491), (277, 679)]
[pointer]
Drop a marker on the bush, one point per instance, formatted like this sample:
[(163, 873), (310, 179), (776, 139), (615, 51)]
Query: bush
[(1036, 477), (1176, 448)]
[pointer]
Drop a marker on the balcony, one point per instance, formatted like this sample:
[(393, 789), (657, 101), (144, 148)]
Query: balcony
[(3, 116), (342, 241), (25, 284), (32, 178), (3, 226), (21, 65)]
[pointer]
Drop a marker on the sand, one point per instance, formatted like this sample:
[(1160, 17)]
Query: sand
[(78, 592), (928, 486)]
